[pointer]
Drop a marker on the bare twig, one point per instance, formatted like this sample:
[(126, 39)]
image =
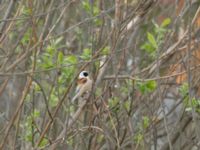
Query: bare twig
[(7, 14)]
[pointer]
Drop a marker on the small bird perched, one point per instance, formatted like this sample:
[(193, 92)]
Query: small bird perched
[(84, 84)]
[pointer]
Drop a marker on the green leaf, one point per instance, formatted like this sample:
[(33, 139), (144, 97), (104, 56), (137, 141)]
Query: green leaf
[(105, 51), (86, 54), (124, 89), (96, 10), (127, 105), (60, 57), (146, 87), (53, 100), (148, 47), (43, 143), (27, 36), (36, 113), (71, 59), (47, 62), (86, 6), (37, 87), (138, 137), (58, 40), (141, 87), (28, 98), (184, 88), (152, 40), (166, 22), (26, 11), (70, 141), (113, 102), (50, 49), (145, 122), (151, 85)]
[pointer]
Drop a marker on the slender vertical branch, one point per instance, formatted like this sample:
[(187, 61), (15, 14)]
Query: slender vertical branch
[(189, 75)]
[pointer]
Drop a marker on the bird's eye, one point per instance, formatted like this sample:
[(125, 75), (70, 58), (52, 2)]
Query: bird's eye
[(85, 74)]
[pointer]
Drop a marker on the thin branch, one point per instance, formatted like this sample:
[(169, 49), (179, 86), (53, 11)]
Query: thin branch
[(7, 14)]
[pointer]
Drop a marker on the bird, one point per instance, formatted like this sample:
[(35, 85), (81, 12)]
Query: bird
[(84, 84)]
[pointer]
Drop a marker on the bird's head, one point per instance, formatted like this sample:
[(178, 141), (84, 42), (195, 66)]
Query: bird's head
[(83, 77)]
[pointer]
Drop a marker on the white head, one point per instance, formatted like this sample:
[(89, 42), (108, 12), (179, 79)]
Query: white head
[(83, 74)]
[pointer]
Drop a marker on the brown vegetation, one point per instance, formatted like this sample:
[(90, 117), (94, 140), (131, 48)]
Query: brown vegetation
[(142, 55)]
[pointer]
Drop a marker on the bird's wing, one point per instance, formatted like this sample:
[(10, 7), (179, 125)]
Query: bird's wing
[(77, 89), (77, 93), (75, 97)]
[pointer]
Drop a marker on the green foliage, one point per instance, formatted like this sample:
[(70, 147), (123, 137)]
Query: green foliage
[(127, 105), (100, 138), (194, 104), (105, 50), (53, 58), (60, 58), (146, 87), (165, 23), (145, 122), (68, 108), (138, 138), (87, 54), (71, 59), (46, 62), (189, 104), (152, 40), (113, 104), (27, 36), (37, 87), (69, 141), (184, 89), (124, 89), (25, 11), (92, 10), (155, 38), (43, 142), (68, 71), (28, 125), (28, 98), (86, 6), (53, 99)]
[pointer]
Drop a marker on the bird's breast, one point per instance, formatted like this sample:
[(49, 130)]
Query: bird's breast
[(82, 81)]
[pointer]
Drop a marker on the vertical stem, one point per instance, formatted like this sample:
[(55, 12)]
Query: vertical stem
[(160, 99), (32, 118), (189, 75)]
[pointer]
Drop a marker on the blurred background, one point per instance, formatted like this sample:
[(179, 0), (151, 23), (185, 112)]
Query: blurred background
[(142, 55)]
